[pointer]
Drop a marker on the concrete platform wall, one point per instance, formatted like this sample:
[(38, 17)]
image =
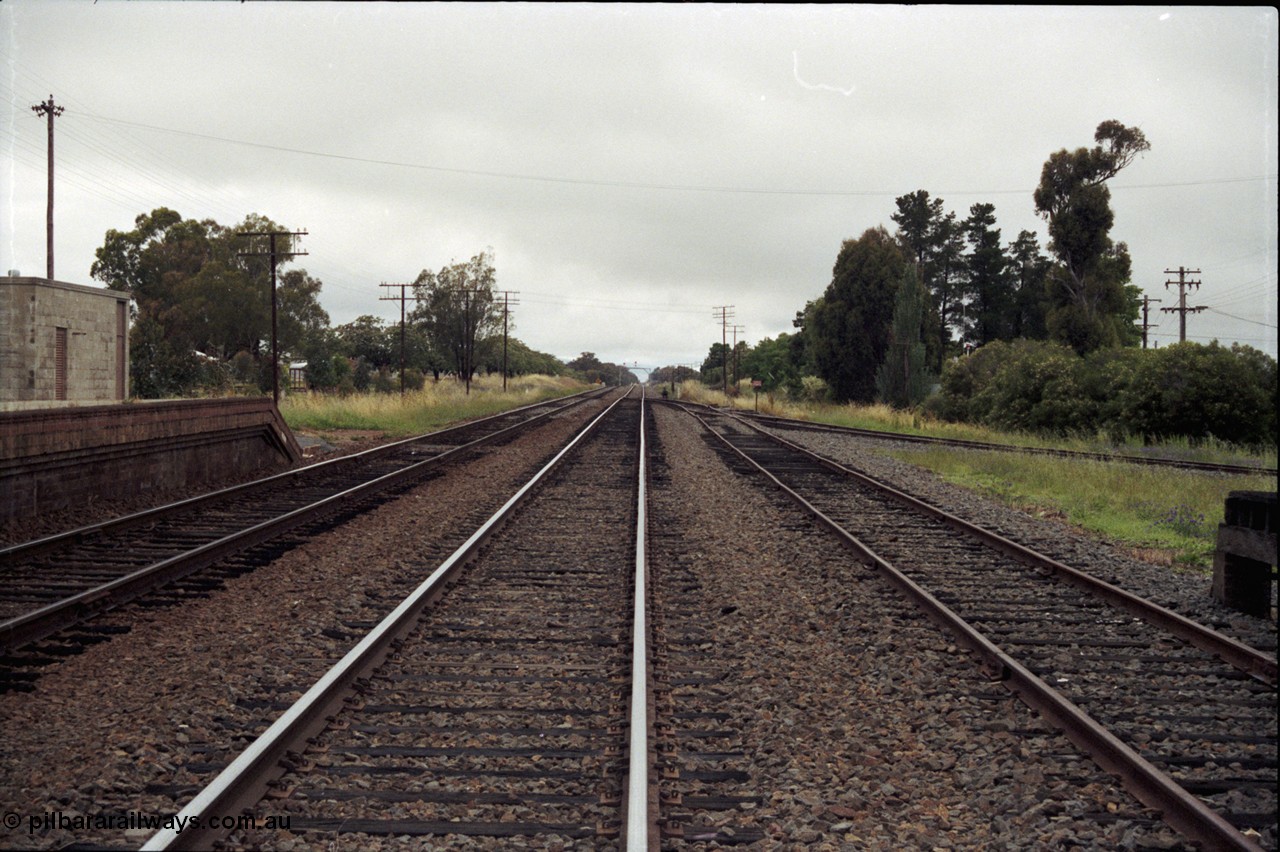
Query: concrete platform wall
[(61, 458)]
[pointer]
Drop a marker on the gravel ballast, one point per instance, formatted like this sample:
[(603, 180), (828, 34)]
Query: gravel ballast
[(863, 725), (1183, 591), (868, 728)]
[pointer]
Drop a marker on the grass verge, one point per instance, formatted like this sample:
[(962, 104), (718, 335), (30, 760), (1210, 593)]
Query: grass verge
[(883, 418), (438, 404), (1157, 514)]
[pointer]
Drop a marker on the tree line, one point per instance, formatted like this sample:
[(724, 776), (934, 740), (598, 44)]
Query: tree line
[(944, 313), (201, 297)]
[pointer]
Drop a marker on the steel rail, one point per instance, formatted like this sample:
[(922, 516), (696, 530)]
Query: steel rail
[(35, 547), (640, 820), (242, 784), (1235, 653), (48, 620), (1179, 808), (1208, 467)]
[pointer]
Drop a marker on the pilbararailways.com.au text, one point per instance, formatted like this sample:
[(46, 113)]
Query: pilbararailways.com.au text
[(138, 820)]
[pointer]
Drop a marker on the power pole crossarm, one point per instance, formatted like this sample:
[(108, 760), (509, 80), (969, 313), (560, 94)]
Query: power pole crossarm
[(1182, 309), (402, 298), (50, 110), (276, 257), (1146, 312), (736, 329), (725, 313), (506, 315)]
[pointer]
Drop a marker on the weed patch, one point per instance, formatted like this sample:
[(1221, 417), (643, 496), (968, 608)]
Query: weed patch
[(1113, 501)]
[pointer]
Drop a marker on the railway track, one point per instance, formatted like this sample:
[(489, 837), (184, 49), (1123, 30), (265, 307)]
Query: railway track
[(496, 700), (62, 581), (1155, 461), (1184, 716), (497, 704)]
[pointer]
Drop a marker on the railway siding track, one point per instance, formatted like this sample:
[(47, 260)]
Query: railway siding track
[(1189, 734), (492, 702), (104, 565), (1156, 461)]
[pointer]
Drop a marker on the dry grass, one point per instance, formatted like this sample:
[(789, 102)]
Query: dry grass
[(437, 404)]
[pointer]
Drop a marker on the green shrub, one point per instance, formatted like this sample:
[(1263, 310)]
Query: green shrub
[(1187, 390), (414, 379), (1203, 392), (814, 389)]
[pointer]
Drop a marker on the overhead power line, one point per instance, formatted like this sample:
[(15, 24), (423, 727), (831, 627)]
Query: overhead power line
[(1219, 337), (607, 305), (621, 184), (1242, 319)]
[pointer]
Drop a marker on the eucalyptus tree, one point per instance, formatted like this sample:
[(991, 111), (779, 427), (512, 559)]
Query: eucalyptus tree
[(197, 298), (458, 310), (1091, 304)]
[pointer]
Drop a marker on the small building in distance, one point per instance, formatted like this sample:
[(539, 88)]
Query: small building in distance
[(62, 343)]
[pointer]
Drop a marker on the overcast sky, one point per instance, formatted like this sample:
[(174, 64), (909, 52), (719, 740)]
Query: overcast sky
[(635, 167)]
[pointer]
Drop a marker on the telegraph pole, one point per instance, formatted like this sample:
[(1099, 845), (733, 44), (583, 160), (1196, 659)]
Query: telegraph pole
[(726, 314), (402, 298), (1182, 310), (1146, 308), (51, 111), (275, 256), (506, 310), (736, 329), (468, 342)]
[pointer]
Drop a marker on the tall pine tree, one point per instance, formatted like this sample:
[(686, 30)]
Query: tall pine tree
[(903, 380), (991, 298)]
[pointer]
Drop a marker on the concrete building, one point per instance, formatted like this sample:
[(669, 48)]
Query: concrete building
[(62, 343)]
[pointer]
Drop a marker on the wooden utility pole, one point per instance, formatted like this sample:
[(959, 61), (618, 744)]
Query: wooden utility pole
[(402, 298), (736, 329), (726, 314), (467, 345), (1146, 326), (506, 310), (1182, 310), (50, 110), (276, 257)]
